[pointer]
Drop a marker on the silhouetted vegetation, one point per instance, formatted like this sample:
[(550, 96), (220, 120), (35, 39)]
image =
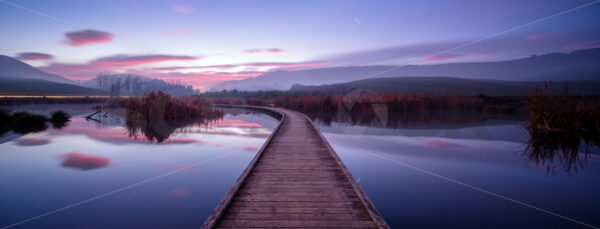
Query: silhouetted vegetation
[(12, 101), (387, 109), (59, 119), (561, 126), (158, 115), (24, 123)]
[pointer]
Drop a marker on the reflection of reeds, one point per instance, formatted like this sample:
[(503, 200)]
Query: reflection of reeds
[(559, 125), (59, 119), (24, 123), (387, 109), (394, 110), (158, 115)]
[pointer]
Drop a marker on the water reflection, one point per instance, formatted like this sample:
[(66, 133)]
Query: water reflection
[(570, 150), (24, 122), (85, 159), (401, 120), (157, 129), (31, 141), (544, 148), (84, 162), (495, 161)]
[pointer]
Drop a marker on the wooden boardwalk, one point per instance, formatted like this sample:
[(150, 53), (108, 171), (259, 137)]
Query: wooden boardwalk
[(295, 180)]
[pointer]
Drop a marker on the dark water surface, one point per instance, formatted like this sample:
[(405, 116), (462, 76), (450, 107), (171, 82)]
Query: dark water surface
[(469, 175), (97, 176)]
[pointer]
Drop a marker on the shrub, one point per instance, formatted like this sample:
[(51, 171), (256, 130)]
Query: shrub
[(59, 119), (158, 115), (23, 123), (559, 125)]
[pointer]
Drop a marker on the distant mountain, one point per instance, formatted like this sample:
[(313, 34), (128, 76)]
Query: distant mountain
[(578, 65), (45, 87), (13, 68), (450, 85)]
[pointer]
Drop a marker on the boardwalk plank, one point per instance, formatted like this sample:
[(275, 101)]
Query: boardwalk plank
[(296, 223), (295, 181)]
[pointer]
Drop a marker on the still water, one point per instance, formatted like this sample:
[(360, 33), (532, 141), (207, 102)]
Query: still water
[(93, 174), (446, 173), (474, 174)]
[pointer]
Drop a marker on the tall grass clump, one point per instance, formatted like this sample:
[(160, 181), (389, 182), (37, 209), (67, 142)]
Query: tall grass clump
[(560, 125), (158, 115)]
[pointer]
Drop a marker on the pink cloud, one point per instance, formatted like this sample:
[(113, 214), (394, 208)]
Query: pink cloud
[(82, 161), (87, 37), (31, 141), (126, 60), (33, 56), (111, 63), (440, 144), (200, 80), (183, 9), (543, 36), (179, 192), (585, 45), (251, 65), (275, 50), (288, 65), (176, 68), (270, 50), (438, 57)]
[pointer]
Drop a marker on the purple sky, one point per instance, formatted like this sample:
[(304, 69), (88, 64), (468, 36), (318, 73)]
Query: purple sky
[(203, 43)]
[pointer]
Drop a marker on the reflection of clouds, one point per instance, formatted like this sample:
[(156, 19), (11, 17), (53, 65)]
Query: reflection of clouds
[(111, 134), (118, 135), (82, 161), (440, 143), (179, 192), (250, 148), (114, 135), (236, 123), (31, 141)]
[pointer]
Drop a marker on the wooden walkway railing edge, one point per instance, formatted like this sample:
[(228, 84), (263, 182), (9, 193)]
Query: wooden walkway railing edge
[(216, 215), (375, 215)]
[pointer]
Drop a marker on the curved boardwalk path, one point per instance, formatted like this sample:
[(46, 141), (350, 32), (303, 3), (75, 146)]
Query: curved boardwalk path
[(295, 180)]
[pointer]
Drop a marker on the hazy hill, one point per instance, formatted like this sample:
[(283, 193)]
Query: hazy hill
[(38, 86), (131, 84), (578, 65), (93, 83), (449, 85), (11, 67)]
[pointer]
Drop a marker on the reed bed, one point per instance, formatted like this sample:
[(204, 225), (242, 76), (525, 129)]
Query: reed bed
[(158, 115)]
